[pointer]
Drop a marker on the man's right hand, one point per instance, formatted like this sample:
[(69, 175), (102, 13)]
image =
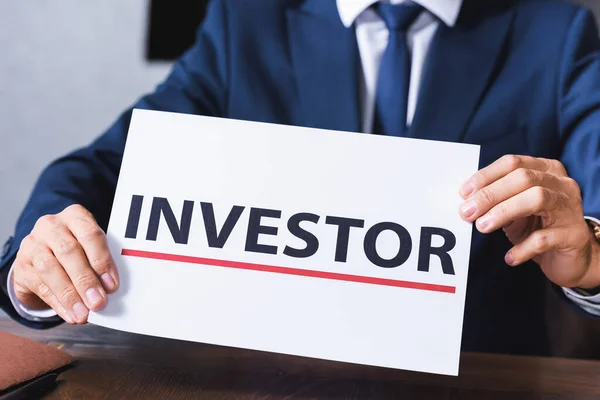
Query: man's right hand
[(64, 263)]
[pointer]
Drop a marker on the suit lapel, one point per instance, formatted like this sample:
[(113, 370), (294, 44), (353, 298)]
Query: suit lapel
[(325, 59), (460, 66)]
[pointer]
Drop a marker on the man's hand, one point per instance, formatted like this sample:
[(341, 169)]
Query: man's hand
[(65, 263), (540, 209)]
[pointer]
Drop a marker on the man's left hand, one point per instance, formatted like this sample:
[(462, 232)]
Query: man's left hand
[(539, 207)]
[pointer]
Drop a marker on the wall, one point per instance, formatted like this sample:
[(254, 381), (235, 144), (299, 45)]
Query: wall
[(594, 5), (67, 69)]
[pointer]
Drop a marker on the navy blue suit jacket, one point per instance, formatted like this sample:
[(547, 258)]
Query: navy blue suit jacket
[(516, 77)]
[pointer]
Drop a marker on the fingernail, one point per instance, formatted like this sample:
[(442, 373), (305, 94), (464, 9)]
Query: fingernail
[(508, 258), (468, 209), (80, 311), (484, 221), (68, 315), (108, 282), (466, 189), (93, 295)]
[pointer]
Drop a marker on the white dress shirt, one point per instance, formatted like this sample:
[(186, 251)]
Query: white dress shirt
[(372, 39)]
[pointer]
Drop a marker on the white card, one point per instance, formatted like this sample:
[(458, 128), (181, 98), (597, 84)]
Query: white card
[(324, 244)]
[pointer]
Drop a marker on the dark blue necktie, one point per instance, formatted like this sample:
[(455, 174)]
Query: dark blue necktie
[(394, 72)]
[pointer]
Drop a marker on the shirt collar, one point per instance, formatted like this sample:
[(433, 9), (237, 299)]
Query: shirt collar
[(446, 10)]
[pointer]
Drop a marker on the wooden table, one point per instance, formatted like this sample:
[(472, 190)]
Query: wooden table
[(117, 365)]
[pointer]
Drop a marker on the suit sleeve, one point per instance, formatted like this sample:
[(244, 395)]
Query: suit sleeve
[(579, 123), (197, 84), (579, 108)]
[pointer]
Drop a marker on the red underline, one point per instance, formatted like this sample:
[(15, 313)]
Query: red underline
[(289, 271)]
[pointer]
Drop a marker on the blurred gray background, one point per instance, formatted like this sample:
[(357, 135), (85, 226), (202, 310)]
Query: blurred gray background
[(67, 69)]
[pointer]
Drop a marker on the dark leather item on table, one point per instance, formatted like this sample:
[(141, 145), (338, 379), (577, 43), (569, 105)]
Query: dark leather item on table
[(27, 365)]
